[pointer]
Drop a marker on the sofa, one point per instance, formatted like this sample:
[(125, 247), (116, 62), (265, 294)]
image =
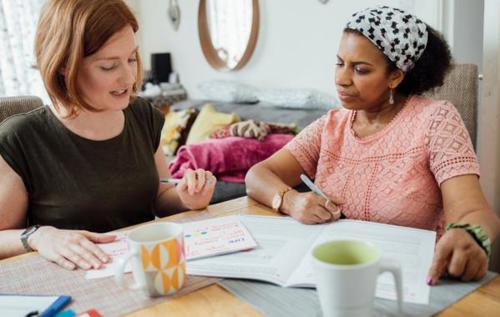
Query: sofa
[(258, 111), (460, 88)]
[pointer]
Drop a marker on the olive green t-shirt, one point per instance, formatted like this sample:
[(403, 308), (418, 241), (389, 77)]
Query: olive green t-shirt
[(77, 183)]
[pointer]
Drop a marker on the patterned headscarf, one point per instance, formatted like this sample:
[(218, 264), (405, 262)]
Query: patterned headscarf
[(401, 36)]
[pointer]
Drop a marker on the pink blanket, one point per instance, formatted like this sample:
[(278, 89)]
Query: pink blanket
[(229, 158)]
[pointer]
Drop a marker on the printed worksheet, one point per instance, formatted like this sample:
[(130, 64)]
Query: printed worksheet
[(283, 255), (204, 238), (115, 250), (216, 236)]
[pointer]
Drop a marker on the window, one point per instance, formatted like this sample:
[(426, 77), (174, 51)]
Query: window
[(18, 76)]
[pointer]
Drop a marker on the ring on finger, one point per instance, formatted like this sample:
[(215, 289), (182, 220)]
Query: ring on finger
[(329, 203)]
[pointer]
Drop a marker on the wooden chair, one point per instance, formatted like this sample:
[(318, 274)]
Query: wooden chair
[(14, 105), (461, 89)]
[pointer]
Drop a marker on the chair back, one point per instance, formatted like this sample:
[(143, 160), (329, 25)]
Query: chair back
[(461, 89), (13, 105)]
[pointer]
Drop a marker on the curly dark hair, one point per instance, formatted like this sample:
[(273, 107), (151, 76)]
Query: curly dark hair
[(429, 70)]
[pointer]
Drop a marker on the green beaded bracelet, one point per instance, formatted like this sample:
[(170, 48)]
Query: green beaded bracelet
[(476, 232)]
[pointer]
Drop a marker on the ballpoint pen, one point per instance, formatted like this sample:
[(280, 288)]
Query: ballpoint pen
[(312, 187), (170, 180), (316, 190)]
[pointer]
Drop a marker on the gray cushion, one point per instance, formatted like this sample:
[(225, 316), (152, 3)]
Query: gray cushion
[(14, 105), (259, 111)]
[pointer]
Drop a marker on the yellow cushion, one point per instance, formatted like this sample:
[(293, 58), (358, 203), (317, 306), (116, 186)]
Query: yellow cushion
[(208, 121), (175, 129)]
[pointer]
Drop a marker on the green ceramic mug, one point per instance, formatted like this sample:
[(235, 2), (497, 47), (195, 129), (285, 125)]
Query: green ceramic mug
[(346, 274)]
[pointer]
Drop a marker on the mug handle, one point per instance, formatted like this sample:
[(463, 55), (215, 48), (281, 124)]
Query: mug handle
[(395, 270), (120, 267)]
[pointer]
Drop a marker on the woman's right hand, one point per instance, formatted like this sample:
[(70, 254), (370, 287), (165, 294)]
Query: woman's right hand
[(310, 208), (71, 248)]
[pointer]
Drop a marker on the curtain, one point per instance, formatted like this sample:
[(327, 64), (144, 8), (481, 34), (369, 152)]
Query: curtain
[(18, 19)]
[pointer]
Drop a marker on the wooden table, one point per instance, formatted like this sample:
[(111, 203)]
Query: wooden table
[(215, 301)]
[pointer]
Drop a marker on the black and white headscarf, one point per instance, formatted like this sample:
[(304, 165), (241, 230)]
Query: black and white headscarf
[(401, 36)]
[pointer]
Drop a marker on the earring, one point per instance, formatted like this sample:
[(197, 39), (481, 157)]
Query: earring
[(391, 96)]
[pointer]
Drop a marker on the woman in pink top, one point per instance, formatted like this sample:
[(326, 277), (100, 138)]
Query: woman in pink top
[(391, 155)]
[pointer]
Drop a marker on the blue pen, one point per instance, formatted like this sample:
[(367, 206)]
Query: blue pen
[(56, 306)]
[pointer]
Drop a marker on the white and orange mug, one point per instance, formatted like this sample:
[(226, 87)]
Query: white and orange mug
[(158, 261)]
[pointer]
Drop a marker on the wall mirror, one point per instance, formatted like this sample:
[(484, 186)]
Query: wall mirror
[(228, 31)]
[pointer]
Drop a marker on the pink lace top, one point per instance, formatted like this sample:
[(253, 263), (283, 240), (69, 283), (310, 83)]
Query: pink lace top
[(393, 175)]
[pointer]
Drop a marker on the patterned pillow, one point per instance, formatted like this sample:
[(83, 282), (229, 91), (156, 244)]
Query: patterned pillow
[(250, 129), (176, 129), (254, 129)]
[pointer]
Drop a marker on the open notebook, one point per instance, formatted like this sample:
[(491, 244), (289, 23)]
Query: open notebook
[(284, 255)]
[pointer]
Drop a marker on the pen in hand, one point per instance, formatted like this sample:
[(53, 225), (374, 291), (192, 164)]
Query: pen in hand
[(170, 180), (316, 190), (312, 187)]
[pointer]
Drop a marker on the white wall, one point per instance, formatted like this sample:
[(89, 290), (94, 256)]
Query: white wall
[(467, 38), (296, 46), (489, 113)]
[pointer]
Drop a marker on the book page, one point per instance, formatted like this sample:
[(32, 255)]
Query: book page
[(412, 248), (282, 243)]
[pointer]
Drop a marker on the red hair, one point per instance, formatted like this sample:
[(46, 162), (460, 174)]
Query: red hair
[(68, 31)]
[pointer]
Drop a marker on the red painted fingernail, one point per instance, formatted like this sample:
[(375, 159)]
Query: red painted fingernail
[(429, 280)]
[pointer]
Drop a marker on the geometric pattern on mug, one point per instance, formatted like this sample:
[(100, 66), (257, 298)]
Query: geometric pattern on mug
[(162, 255), (170, 280)]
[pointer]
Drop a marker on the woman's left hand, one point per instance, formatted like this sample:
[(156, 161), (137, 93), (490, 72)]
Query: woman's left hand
[(196, 188), (459, 255)]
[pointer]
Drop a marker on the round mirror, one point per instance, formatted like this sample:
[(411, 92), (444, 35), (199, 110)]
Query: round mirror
[(228, 31)]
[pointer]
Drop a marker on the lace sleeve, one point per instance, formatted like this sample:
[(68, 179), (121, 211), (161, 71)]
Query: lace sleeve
[(306, 145), (449, 144)]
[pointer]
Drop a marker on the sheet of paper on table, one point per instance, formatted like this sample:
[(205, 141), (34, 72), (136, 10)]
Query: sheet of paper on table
[(202, 239)]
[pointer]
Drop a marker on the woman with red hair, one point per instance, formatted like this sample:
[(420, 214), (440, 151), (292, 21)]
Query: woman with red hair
[(89, 162)]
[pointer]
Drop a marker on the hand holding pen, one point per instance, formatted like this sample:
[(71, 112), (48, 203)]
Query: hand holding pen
[(329, 205), (195, 189)]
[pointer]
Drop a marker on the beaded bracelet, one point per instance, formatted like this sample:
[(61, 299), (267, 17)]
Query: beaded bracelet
[(476, 232)]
